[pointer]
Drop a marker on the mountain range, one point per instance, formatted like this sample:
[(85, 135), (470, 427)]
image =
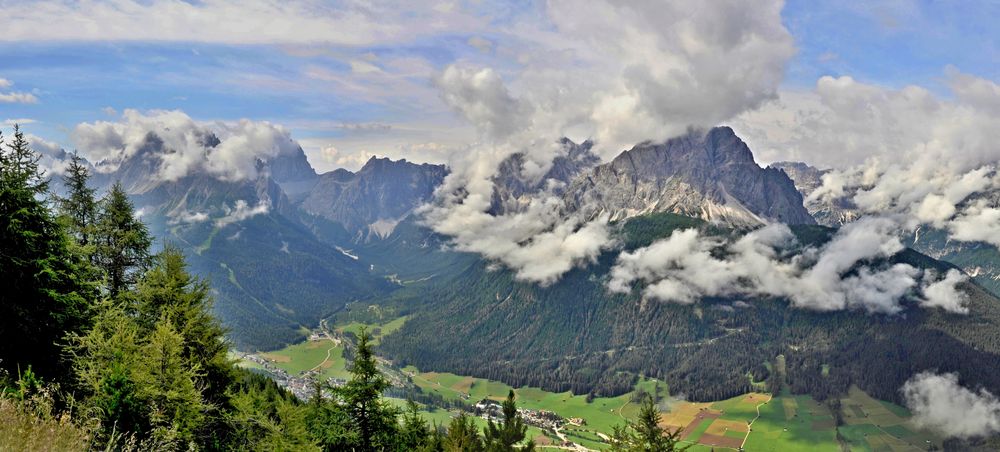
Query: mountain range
[(288, 247)]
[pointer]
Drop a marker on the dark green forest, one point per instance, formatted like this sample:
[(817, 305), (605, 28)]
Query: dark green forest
[(586, 340)]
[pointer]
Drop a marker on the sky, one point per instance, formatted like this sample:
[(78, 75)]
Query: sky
[(350, 80)]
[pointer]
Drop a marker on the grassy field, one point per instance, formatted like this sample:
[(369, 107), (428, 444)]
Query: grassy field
[(323, 355), (601, 414), (874, 425), (376, 330)]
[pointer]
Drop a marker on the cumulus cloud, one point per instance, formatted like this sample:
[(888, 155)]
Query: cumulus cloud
[(53, 159), (240, 211), (228, 151), (945, 295), (898, 151), (839, 275), (979, 222), (652, 70), (940, 403)]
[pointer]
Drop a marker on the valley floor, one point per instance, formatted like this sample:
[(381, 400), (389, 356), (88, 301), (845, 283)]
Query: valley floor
[(752, 422)]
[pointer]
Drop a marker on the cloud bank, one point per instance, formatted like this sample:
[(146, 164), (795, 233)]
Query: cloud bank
[(838, 275), (234, 21), (940, 403), (925, 158), (180, 145)]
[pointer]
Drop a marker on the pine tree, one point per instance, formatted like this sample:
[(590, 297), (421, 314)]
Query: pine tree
[(168, 290), (104, 360), (415, 433), (166, 382), (79, 206), (646, 435), (45, 294), (503, 437), (372, 418), (463, 436), (20, 165), (123, 242)]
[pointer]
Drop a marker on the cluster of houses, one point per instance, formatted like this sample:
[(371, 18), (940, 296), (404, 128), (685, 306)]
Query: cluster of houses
[(301, 386), (490, 409)]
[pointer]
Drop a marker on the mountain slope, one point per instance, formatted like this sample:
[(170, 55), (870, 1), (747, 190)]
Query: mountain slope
[(807, 179), (575, 335), (370, 203), (709, 175)]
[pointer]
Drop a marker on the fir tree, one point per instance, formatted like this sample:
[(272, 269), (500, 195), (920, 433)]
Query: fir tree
[(503, 437), (123, 242), (166, 382), (45, 294), (415, 432), (463, 436), (372, 418), (79, 206), (646, 435)]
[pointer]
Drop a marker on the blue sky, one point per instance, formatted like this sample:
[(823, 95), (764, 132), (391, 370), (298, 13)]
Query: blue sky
[(329, 92)]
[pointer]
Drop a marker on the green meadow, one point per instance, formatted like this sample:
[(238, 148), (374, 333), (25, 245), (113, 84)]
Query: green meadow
[(783, 423)]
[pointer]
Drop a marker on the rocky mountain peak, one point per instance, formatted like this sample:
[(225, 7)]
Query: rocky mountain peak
[(370, 202), (706, 174), (512, 189)]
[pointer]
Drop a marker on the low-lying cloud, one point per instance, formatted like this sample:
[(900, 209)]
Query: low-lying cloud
[(240, 211), (940, 403), (898, 151), (838, 275), (181, 145)]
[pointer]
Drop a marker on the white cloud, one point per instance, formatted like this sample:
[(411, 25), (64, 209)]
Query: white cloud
[(15, 97), (902, 151), (187, 217), (481, 96), (19, 121), (945, 295), (838, 275), (234, 21), (18, 98), (979, 222), (241, 211), (185, 144), (940, 403), (54, 159)]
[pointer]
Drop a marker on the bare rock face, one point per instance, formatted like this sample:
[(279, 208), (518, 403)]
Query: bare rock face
[(710, 175), (512, 190), (372, 201), (807, 179)]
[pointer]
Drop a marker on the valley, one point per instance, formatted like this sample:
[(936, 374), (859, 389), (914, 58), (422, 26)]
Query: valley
[(754, 421)]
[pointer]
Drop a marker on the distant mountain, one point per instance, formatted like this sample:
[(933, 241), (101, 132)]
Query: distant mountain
[(370, 203), (807, 179), (512, 190), (981, 261), (271, 276), (709, 175)]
